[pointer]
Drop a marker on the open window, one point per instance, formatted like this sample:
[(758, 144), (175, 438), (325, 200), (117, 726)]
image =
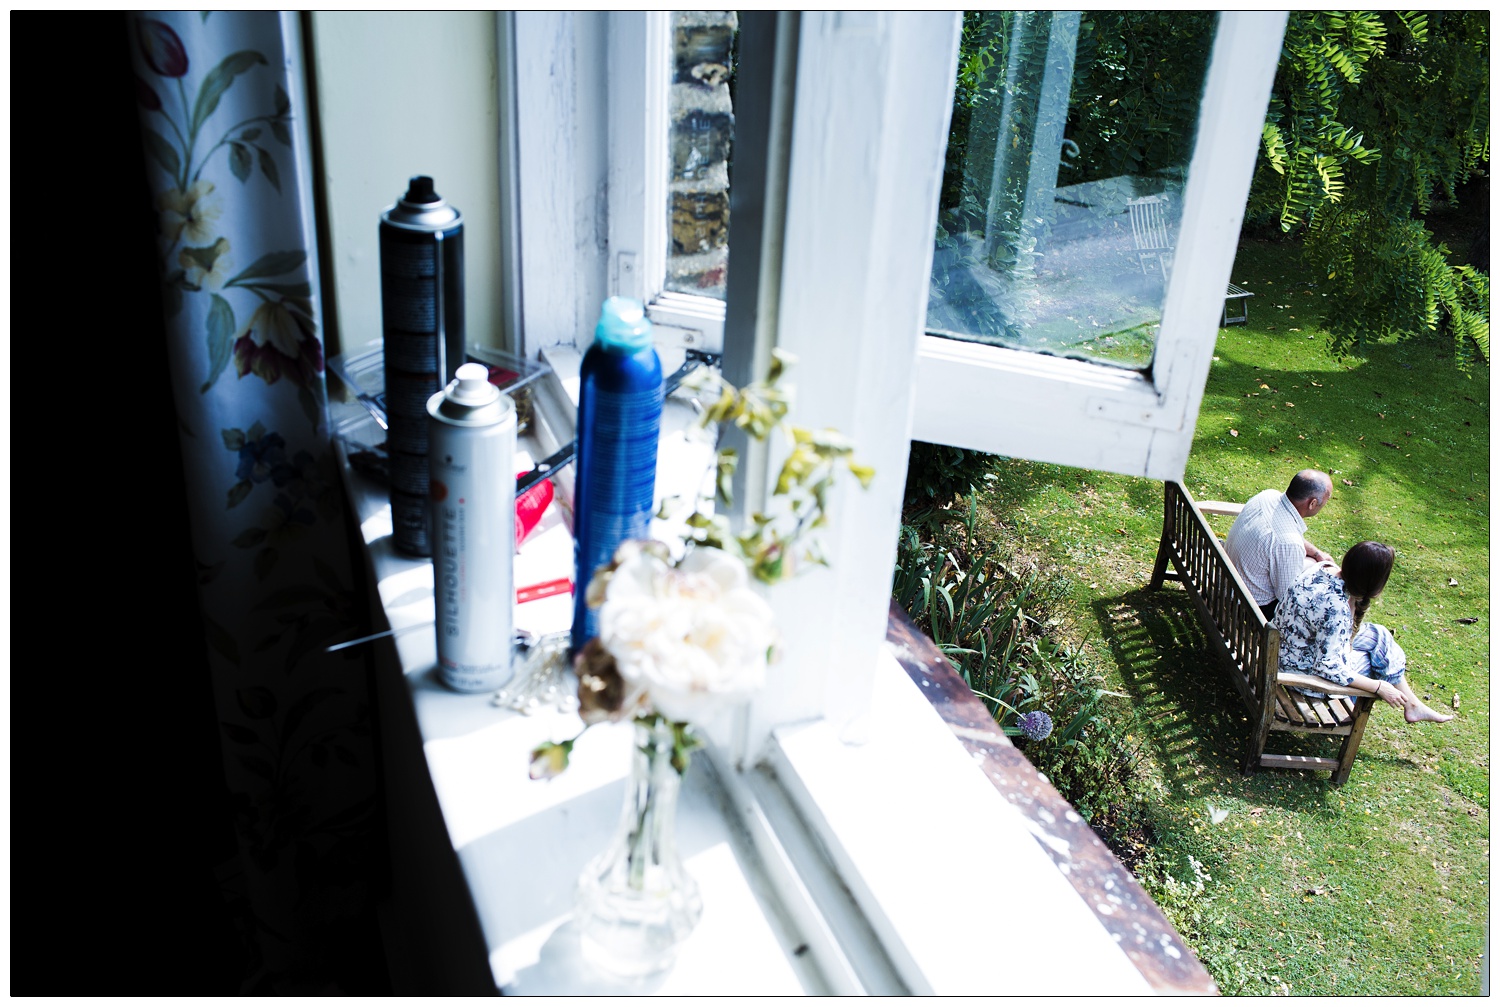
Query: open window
[(1091, 208), (835, 261)]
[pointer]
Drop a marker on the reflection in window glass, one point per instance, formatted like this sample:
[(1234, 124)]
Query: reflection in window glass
[(702, 135), (1062, 190)]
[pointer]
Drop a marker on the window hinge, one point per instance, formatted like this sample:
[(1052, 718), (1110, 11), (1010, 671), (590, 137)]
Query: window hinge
[(1140, 412)]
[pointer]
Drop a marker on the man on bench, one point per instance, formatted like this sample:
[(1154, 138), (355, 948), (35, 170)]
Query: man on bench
[(1267, 542)]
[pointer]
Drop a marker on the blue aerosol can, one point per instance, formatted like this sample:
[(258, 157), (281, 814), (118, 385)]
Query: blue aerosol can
[(619, 421), (422, 322)]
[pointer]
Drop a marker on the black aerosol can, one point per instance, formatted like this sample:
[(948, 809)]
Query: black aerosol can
[(422, 318)]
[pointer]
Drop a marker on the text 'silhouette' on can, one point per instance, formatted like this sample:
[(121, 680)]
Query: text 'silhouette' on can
[(472, 434)]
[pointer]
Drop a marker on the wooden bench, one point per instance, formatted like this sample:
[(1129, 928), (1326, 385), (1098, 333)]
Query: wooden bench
[(1237, 625)]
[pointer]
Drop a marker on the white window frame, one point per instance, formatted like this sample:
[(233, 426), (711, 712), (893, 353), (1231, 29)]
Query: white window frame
[(591, 90), (640, 68), (850, 286), (551, 70), (1070, 412), (863, 169), (809, 766)]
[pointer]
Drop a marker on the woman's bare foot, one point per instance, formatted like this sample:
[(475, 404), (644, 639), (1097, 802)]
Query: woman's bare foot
[(1416, 710)]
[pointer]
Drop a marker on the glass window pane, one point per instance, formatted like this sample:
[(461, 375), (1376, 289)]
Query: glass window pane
[(700, 144), (1062, 192)]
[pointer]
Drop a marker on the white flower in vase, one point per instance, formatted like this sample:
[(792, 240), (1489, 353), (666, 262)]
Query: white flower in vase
[(693, 637), (679, 643)]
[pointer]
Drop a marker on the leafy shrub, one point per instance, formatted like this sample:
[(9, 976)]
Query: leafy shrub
[(989, 621), (1192, 907), (936, 473), (1373, 117), (1389, 279), (1092, 760), (959, 593)]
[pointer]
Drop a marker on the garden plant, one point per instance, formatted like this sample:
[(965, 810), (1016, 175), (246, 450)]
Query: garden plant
[(1280, 882), (1365, 355)]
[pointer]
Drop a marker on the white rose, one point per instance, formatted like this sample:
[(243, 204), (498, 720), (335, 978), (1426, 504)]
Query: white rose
[(693, 637)]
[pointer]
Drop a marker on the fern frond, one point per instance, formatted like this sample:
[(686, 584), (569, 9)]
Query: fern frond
[(1366, 35), (1275, 145), (1332, 175), (1415, 23)]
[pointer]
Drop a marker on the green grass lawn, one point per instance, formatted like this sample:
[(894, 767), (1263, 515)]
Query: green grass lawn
[(1379, 887)]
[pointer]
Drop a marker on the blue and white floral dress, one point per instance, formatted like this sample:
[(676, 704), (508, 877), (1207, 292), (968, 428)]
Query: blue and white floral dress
[(1317, 636)]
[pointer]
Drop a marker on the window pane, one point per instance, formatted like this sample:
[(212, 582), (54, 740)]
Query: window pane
[(1062, 192), (702, 135)]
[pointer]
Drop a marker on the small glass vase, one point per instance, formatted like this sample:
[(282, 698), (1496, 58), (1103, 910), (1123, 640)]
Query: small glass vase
[(636, 904)]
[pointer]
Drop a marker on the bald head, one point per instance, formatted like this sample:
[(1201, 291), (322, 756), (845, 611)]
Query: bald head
[(1309, 491)]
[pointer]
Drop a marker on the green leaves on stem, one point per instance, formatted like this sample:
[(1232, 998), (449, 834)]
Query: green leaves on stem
[(1374, 116), (774, 544)]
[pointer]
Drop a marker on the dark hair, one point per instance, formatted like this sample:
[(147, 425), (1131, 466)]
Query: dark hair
[(1307, 484), (1366, 568)]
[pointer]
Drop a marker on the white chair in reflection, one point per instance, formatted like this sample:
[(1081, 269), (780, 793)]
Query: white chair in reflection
[(1153, 243), (1153, 240)]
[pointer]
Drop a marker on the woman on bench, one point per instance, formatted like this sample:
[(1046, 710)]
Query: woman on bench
[(1323, 632)]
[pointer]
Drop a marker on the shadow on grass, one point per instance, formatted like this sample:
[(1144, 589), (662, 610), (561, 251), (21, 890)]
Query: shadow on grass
[(1193, 717), (1181, 694)]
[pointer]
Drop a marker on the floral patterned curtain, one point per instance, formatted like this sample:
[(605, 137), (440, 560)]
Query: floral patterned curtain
[(223, 111)]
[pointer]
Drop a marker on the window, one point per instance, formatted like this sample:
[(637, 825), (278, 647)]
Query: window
[(1073, 321), (844, 114), (700, 140), (842, 123), (1062, 191), (612, 137)]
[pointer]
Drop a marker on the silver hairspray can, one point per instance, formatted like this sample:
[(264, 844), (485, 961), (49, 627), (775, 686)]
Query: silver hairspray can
[(422, 320), (472, 488)]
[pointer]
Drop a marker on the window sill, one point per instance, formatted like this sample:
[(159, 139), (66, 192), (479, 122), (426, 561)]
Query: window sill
[(826, 869), (485, 859), (897, 809)]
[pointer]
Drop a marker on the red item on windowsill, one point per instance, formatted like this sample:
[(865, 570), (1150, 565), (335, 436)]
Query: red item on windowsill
[(546, 589), (530, 506)]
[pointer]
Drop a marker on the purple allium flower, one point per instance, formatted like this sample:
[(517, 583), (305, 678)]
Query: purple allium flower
[(1035, 724)]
